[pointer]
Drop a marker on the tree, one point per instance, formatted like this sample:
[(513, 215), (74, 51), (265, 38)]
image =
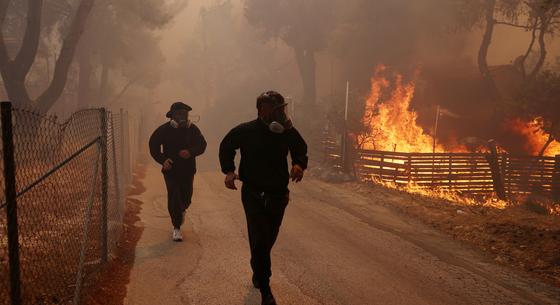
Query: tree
[(539, 99), (130, 55), (540, 17), (224, 65), (303, 25), (15, 70)]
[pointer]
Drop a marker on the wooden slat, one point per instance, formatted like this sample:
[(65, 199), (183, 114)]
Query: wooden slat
[(463, 172)]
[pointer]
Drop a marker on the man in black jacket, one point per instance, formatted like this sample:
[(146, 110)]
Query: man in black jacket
[(182, 142), (264, 144)]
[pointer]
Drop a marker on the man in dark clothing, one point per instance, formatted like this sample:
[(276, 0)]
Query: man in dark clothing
[(182, 142), (264, 144)]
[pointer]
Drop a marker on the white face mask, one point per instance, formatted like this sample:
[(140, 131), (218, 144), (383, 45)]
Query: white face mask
[(276, 127), (279, 121), (181, 124), (180, 119)]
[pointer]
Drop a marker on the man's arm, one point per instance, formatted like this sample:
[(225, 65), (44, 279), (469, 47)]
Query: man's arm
[(298, 149), (199, 146), (156, 140), (230, 143), (298, 152)]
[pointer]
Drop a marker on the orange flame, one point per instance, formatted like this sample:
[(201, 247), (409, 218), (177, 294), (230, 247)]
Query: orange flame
[(535, 135), (389, 123)]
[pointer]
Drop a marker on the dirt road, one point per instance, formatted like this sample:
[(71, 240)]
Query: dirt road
[(335, 247)]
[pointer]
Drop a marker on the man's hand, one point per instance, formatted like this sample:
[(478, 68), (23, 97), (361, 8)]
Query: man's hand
[(230, 180), (185, 154), (167, 164), (297, 173)]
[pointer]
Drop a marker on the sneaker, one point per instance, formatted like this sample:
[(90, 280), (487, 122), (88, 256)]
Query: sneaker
[(177, 236)]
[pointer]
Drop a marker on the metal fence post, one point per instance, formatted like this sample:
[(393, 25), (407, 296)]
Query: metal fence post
[(104, 186), (116, 171), (124, 165), (556, 180), (11, 203), (128, 158)]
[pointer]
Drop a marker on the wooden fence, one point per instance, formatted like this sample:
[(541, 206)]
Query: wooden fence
[(466, 173)]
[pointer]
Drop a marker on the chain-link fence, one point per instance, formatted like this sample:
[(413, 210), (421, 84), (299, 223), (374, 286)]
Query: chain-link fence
[(62, 201)]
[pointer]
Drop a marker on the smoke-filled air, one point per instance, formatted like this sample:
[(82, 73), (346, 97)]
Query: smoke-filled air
[(279, 152)]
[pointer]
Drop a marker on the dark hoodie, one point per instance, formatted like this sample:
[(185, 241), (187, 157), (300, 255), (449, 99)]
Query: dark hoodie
[(173, 140), (264, 164)]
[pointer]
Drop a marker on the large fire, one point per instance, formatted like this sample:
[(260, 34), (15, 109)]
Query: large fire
[(390, 124)]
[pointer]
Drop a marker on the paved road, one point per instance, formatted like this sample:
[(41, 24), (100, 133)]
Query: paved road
[(335, 247)]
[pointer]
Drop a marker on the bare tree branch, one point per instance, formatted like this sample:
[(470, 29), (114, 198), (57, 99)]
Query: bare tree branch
[(3, 10), (26, 55), (530, 48), (123, 90), (548, 142), (485, 44), (4, 58), (49, 97), (513, 25), (542, 45)]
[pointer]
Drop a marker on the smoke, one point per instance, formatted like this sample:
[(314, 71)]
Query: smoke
[(150, 53)]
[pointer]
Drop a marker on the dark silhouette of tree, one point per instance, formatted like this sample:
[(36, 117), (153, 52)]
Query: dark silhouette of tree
[(540, 17), (539, 99), (304, 25), (122, 49), (15, 70)]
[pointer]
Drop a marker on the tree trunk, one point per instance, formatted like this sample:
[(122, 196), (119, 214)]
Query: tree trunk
[(69, 45), (530, 48), (14, 71), (486, 39), (306, 64), (15, 88), (542, 47), (548, 142)]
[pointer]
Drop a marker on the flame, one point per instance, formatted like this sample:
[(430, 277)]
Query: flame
[(457, 198), (535, 136), (389, 123)]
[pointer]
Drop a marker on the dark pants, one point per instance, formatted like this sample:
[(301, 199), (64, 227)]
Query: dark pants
[(264, 212), (179, 195)]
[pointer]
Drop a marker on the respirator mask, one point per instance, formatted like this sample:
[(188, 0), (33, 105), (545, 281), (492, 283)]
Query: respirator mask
[(180, 119), (279, 121)]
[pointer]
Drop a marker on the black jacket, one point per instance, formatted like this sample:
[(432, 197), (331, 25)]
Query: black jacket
[(173, 140), (264, 154)]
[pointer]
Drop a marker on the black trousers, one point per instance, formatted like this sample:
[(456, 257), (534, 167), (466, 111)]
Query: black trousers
[(179, 195), (264, 212)]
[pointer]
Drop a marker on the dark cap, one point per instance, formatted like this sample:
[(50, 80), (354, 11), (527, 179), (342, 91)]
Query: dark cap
[(272, 97), (178, 106)]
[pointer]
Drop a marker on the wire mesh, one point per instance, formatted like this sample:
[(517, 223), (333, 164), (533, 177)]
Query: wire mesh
[(59, 185), (4, 270)]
